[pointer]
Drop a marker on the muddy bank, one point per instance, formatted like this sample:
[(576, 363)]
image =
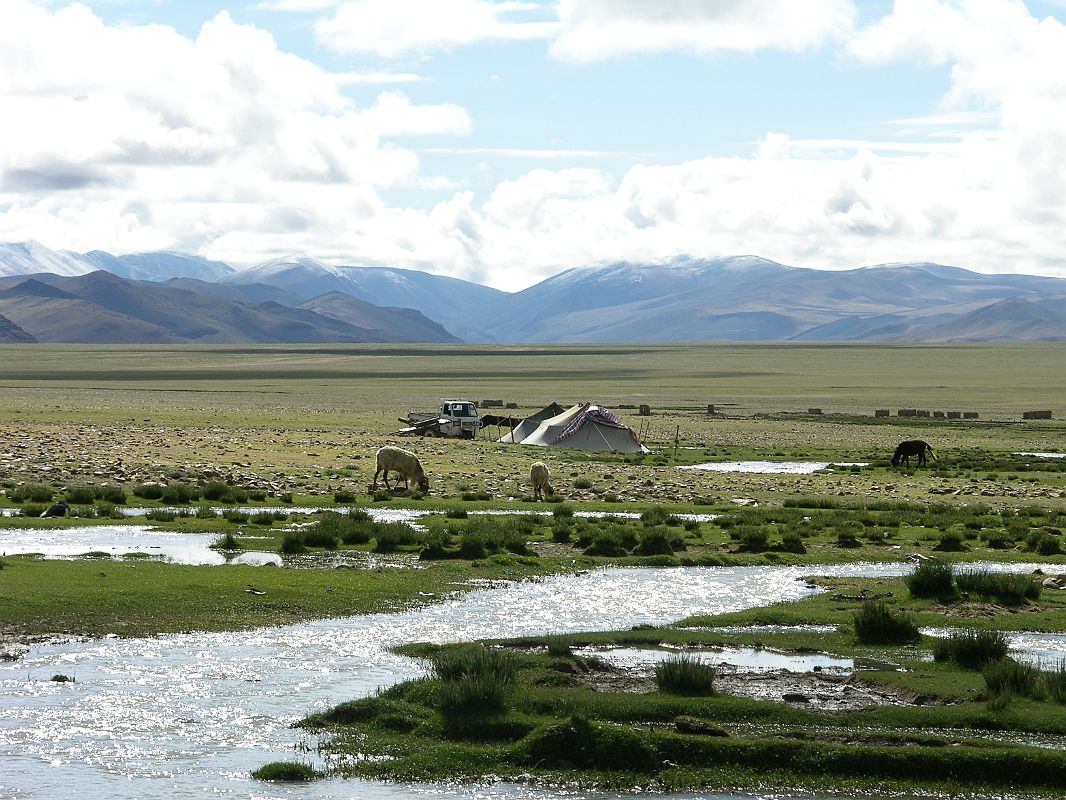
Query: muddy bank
[(830, 690)]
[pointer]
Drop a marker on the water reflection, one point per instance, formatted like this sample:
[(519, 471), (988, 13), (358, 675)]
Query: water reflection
[(747, 658), (183, 715), (117, 541), (773, 467), (1042, 649)]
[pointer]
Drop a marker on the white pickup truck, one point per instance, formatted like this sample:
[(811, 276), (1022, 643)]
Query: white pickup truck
[(457, 418)]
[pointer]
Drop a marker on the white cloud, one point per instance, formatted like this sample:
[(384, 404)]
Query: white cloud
[(531, 154), (393, 28), (226, 146), (792, 208), (980, 183), (136, 136), (581, 30), (593, 30), (1007, 62), (357, 78), (393, 114), (295, 5)]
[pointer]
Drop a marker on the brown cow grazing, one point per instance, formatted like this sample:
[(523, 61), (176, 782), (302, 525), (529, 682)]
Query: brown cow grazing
[(913, 447)]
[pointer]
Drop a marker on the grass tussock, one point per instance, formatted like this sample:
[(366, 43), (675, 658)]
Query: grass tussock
[(226, 542), (558, 646), (1010, 588), (875, 623), (32, 493), (933, 579), (685, 674), (1007, 677), (971, 649), (474, 679), (1054, 681), (287, 771), (579, 742)]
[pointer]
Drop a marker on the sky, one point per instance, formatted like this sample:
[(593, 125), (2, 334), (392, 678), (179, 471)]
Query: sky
[(505, 141)]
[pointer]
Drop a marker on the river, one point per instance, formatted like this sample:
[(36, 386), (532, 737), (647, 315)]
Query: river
[(190, 715)]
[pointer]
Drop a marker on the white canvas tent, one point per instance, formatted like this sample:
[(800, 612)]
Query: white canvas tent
[(531, 423), (580, 427)]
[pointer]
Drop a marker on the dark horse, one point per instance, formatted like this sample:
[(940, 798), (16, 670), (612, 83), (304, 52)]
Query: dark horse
[(915, 447)]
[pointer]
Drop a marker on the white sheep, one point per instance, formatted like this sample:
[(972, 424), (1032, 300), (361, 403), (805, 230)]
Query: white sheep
[(403, 462), (538, 476)]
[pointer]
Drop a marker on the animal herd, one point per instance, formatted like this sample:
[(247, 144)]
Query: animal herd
[(406, 464)]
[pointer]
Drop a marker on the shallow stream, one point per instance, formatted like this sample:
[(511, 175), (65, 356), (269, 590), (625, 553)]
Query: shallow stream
[(190, 715)]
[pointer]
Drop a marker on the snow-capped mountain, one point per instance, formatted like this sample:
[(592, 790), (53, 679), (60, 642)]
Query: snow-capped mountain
[(449, 301), (28, 258), (685, 299), (746, 298), (158, 266)]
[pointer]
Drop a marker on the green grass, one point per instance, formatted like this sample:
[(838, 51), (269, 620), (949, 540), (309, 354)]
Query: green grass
[(932, 579), (227, 542), (971, 649), (686, 675), (1055, 682), (620, 740), (565, 540), (287, 771), (300, 424), (1006, 676), (474, 679), (876, 624), (32, 492), (886, 375), (1006, 587)]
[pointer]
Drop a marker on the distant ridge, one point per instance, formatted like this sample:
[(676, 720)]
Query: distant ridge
[(390, 322), (747, 298), (10, 333), (27, 258), (684, 299), (452, 302), (103, 308)]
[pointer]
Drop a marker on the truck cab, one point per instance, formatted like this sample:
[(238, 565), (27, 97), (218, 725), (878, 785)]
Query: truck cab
[(462, 417)]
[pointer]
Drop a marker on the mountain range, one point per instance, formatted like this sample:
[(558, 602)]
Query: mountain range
[(100, 307), (61, 296)]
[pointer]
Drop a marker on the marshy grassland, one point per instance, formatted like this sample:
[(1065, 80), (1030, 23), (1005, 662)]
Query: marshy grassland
[(179, 431), (309, 418), (557, 705), (298, 425)]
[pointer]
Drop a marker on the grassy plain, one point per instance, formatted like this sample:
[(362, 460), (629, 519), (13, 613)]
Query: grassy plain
[(306, 421), (308, 418), (356, 379)]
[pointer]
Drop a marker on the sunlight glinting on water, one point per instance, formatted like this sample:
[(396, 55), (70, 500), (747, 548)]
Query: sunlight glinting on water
[(184, 715), (181, 714), (195, 548)]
